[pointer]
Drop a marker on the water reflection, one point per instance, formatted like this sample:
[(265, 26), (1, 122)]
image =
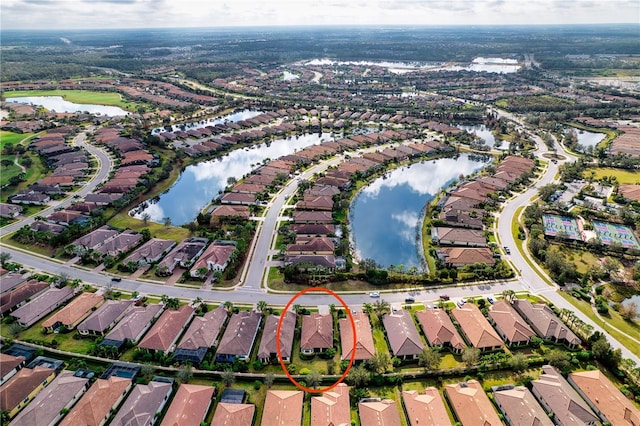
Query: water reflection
[(200, 183), (58, 104), (230, 118), (385, 217), (486, 135)]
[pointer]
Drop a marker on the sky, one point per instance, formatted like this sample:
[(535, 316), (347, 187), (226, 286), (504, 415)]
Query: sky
[(98, 14)]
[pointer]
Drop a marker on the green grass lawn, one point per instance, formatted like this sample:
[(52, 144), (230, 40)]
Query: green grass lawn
[(79, 97), (7, 137), (123, 220), (66, 342), (623, 176), (379, 340), (630, 328)]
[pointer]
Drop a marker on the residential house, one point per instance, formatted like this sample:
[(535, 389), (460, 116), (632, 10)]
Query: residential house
[(9, 365), (73, 314), (233, 414), (268, 351), (425, 409), (381, 413), (47, 407), (476, 328), (17, 297), (133, 325), (365, 348), (519, 407), (190, 405), (317, 261), (316, 245), (9, 211), (606, 400), (319, 202), (94, 408), (509, 324), (439, 330), (239, 336), (215, 258), (471, 405), (39, 307), (458, 236), (121, 243), (557, 396), (144, 404), (312, 217), (331, 408), (545, 323), (150, 252), (35, 198), (16, 393), (282, 408), (105, 317), (10, 281), (201, 335), (403, 335), (184, 254), (459, 257), (317, 333), (95, 238), (226, 211), (165, 332)]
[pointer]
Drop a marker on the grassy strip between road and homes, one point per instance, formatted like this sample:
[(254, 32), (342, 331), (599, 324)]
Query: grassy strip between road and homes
[(615, 321), (520, 245), (79, 97)]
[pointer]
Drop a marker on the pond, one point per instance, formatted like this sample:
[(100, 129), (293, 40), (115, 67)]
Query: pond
[(245, 114), (486, 135), (588, 140), (289, 76), (58, 104), (200, 183), (386, 215), (635, 299)]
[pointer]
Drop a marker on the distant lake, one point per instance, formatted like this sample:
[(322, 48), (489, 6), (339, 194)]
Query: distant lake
[(479, 64), (288, 76), (245, 114), (485, 134), (58, 104), (386, 215), (589, 139), (200, 183)]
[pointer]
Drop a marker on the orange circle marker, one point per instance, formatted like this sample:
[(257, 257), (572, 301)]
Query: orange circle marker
[(278, 348)]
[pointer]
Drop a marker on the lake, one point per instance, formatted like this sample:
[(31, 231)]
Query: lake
[(245, 114), (58, 104), (479, 64), (485, 134), (200, 183), (635, 299), (386, 215), (589, 139)]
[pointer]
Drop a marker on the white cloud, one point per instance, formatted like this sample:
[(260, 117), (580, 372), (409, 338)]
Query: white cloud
[(71, 14)]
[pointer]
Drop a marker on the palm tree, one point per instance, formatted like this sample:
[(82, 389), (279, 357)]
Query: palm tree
[(509, 295), (4, 258), (297, 309), (261, 306), (367, 308), (228, 306)]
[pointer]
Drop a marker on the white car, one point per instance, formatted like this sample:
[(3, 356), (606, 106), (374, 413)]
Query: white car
[(374, 294)]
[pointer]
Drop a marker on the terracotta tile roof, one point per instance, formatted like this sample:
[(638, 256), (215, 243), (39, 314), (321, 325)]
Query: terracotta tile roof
[(460, 256), (240, 333), (204, 330), (520, 407), (8, 363), (439, 328), (282, 408), (226, 210), (545, 322), (21, 385), (142, 404), (459, 236), (380, 413), (233, 414), (189, 406), (75, 310), (402, 334), (553, 390), (287, 330), (471, 405), (217, 255), (426, 409), (476, 328), (606, 397), (365, 348), (317, 331), (166, 330), (332, 408), (510, 323), (134, 323), (97, 402), (45, 407)]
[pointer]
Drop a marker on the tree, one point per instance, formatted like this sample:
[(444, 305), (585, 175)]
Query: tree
[(380, 362), (297, 309), (15, 329), (558, 359), (4, 258), (147, 370), (429, 358), (509, 295), (381, 307), (470, 356), (228, 305), (268, 379), (227, 377), (185, 373), (166, 221), (145, 218), (629, 311), (601, 348), (358, 376), (261, 306), (313, 379), (519, 363)]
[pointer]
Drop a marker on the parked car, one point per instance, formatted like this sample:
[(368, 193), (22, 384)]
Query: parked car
[(409, 300), (117, 279), (507, 250), (444, 297), (374, 294), (490, 300)]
